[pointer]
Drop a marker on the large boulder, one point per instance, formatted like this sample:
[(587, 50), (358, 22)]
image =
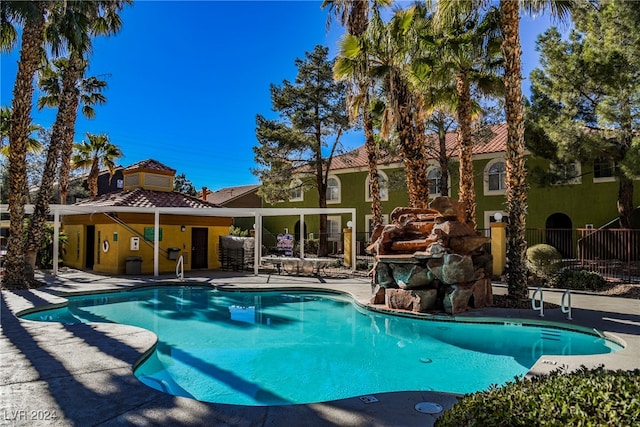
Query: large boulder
[(411, 276), (482, 293), (378, 295), (449, 208), (412, 300), (456, 300), (457, 269), (384, 275)]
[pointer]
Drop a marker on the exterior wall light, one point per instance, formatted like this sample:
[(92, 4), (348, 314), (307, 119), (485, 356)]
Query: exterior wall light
[(183, 228)]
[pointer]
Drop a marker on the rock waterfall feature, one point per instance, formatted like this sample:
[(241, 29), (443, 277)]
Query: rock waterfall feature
[(431, 260)]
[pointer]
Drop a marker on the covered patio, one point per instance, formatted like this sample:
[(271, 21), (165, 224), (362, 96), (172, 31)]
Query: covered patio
[(59, 211)]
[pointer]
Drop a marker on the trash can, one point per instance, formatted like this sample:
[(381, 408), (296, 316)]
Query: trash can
[(133, 265), (173, 253)]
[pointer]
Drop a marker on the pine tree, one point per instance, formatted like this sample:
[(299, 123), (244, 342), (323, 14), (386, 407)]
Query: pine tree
[(296, 149), (585, 100)]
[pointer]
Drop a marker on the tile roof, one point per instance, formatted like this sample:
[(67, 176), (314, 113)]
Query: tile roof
[(494, 142), (141, 198), (226, 194), (150, 165)]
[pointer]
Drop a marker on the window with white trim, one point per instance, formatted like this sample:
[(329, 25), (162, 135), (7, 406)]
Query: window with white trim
[(383, 182), (569, 173), (295, 192), (434, 179), (334, 228), (333, 189), (495, 177), (604, 170)]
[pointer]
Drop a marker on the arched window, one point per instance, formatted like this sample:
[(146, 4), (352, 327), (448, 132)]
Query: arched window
[(383, 181), (333, 190), (434, 177), (495, 177)]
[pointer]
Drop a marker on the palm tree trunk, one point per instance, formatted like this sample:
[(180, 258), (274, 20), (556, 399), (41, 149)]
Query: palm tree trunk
[(92, 179), (516, 173), (32, 40), (67, 106), (411, 145), (372, 159), (75, 73), (467, 191), (443, 161), (420, 149)]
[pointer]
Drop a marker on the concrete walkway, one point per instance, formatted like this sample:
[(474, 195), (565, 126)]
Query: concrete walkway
[(82, 374)]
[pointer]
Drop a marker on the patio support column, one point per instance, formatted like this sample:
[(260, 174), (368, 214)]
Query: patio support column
[(257, 250), (301, 236), (56, 239), (156, 242), (499, 247), (353, 240)]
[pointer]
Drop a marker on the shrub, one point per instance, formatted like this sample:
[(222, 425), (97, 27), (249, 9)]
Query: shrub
[(363, 265), (310, 247), (336, 264), (238, 232), (594, 397), (579, 280), (544, 261), (44, 258)]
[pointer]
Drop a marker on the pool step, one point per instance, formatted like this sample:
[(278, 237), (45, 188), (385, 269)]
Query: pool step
[(550, 335)]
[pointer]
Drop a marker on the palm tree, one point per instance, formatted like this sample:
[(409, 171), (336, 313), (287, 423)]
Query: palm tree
[(350, 62), (391, 45), (70, 27), (354, 15), (62, 90), (75, 26), (468, 48), (33, 145), (516, 268), (98, 151), (31, 14)]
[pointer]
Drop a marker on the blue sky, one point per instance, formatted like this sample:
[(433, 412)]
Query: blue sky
[(187, 78)]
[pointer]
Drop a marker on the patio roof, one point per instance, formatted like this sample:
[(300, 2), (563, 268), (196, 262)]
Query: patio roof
[(257, 213)]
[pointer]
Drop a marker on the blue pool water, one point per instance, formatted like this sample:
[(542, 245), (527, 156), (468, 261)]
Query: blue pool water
[(279, 348)]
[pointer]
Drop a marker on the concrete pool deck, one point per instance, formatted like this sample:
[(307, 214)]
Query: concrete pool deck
[(81, 374)]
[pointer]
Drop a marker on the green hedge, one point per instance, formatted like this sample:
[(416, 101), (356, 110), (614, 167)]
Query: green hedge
[(583, 398)]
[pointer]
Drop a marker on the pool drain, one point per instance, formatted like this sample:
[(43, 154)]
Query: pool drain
[(428, 408), (368, 399)]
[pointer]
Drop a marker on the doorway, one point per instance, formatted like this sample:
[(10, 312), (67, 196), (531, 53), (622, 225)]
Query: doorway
[(90, 247), (199, 248), (559, 232)]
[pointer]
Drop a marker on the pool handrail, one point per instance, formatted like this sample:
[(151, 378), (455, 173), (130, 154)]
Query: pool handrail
[(535, 307), (180, 268), (566, 309)]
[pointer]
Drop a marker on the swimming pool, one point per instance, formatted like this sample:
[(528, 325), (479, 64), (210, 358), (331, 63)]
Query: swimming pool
[(291, 347)]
